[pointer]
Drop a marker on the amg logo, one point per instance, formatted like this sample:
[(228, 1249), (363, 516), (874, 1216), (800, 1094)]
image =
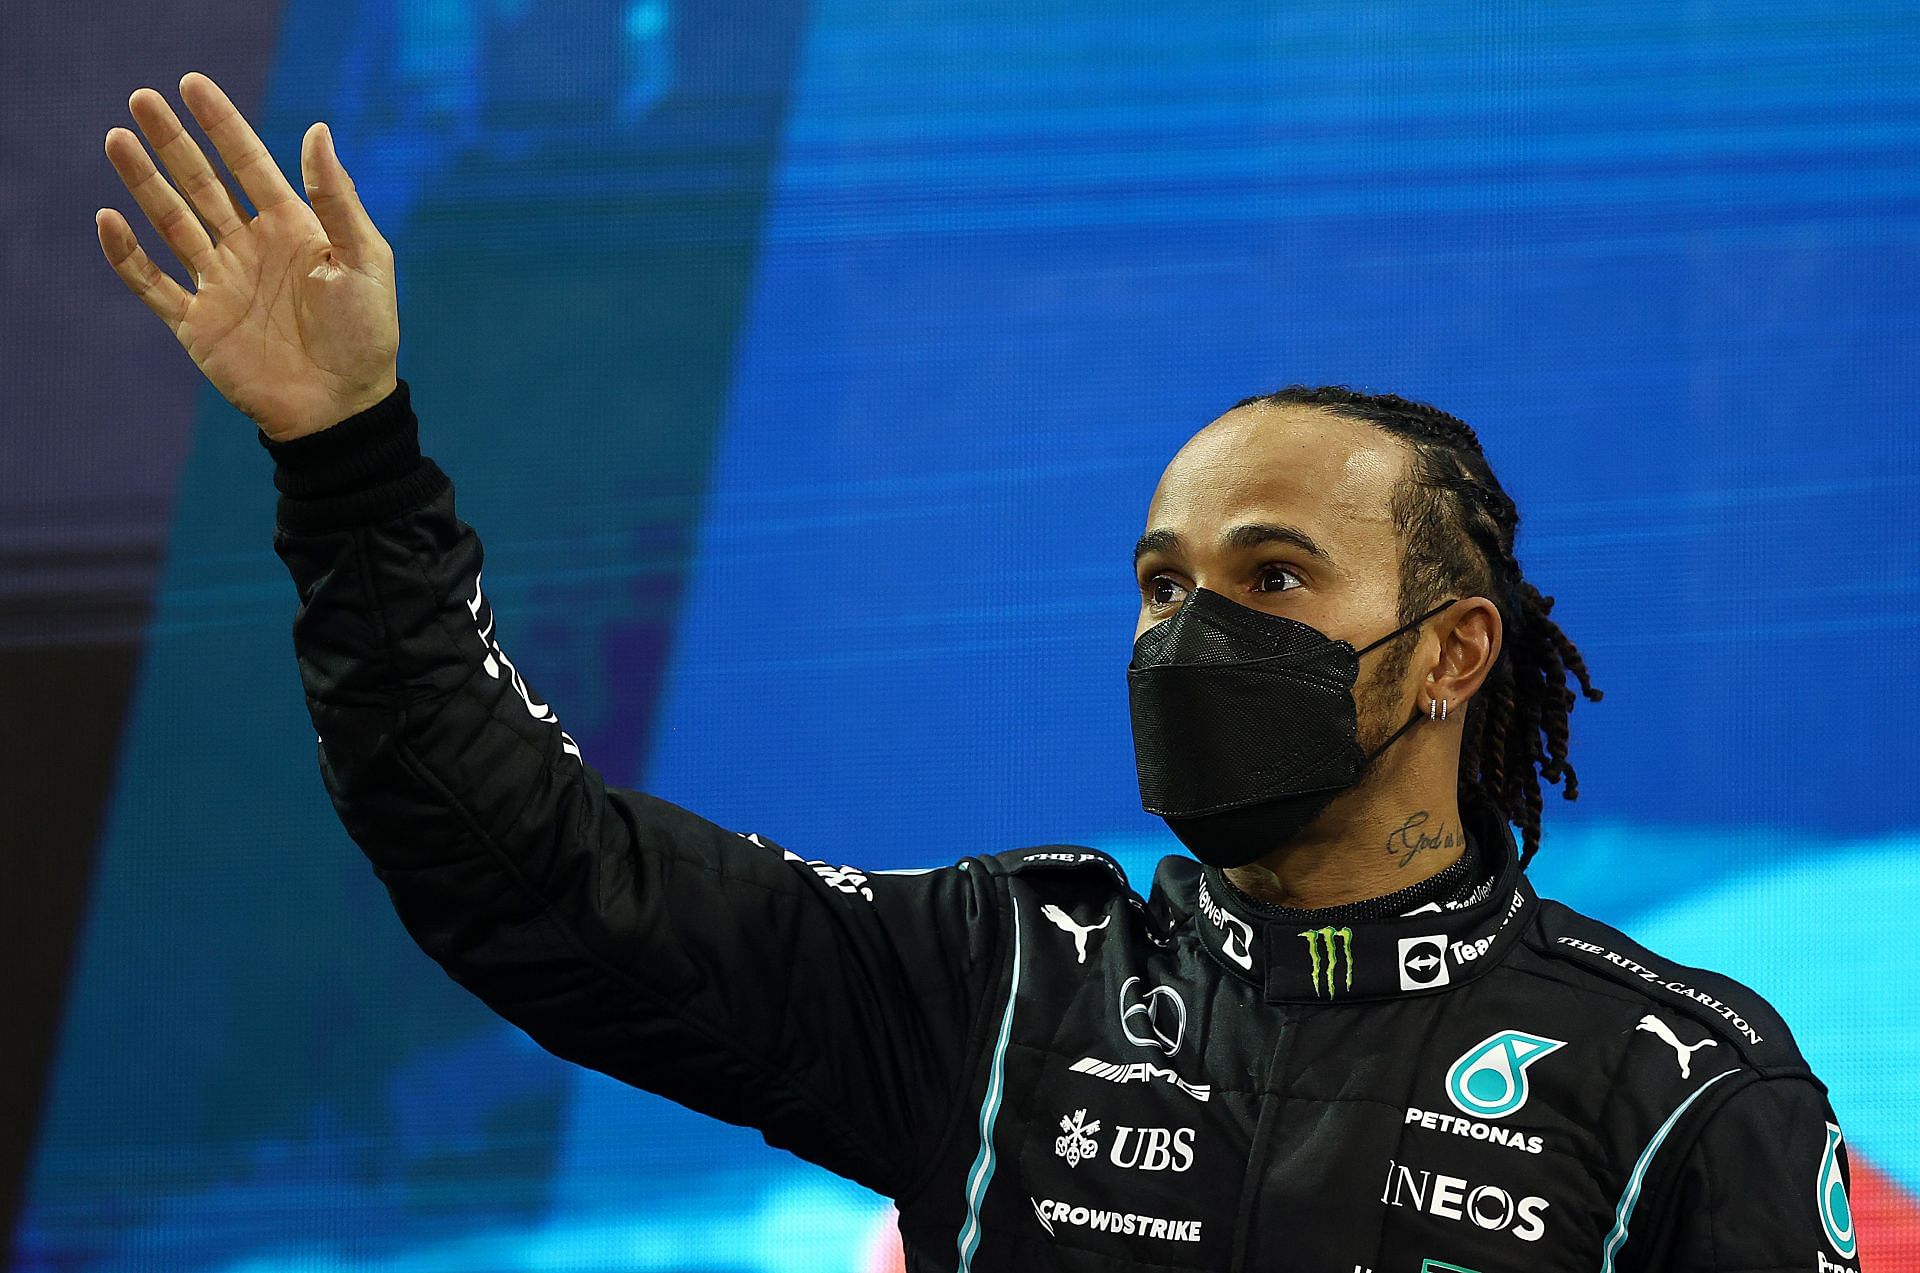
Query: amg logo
[(1139, 1072)]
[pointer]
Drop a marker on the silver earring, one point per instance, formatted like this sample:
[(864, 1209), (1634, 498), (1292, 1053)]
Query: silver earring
[(1433, 709), (1443, 708)]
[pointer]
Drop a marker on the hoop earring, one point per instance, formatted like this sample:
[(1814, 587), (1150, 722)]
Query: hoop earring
[(1437, 708)]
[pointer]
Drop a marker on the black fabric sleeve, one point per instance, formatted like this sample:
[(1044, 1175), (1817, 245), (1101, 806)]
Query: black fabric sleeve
[(832, 1008), (1763, 1188), (359, 471)]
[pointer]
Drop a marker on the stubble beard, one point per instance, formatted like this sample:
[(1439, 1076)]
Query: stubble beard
[(1377, 697)]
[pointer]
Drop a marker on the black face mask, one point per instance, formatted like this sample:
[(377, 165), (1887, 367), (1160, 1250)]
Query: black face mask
[(1244, 724)]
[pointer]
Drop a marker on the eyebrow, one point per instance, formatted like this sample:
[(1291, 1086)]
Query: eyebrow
[(1246, 535)]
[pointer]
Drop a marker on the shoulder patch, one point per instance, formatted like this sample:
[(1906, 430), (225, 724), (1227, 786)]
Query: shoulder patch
[(1069, 878), (1733, 1011), (1061, 857), (1058, 857)]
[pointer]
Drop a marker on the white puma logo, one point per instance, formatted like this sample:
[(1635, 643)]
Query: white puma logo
[(1659, 1029), (1065, 923)]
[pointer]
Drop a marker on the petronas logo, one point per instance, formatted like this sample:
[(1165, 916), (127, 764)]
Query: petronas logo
[(1490, 1078), (1331, 950), (1836, 1215)]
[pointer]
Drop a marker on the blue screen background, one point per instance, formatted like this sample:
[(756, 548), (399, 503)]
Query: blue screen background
[(836, 549)]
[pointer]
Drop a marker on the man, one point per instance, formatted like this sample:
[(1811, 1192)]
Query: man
[(1347, 1036)]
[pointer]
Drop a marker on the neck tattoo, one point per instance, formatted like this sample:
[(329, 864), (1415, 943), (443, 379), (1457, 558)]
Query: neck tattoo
[(1413, 837)]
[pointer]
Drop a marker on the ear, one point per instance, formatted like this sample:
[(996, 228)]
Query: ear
[(1470, 634)]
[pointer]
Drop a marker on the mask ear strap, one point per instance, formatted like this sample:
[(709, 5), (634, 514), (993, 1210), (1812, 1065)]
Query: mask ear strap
[(1412, 720), (1410, 623), (1417, 717)]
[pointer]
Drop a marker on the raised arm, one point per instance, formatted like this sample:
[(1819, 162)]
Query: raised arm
[(836, 1010)]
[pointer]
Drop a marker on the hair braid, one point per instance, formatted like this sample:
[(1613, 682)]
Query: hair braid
[(1457, 526)]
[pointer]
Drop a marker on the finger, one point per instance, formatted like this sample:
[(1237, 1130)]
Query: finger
[(245, 155), (163, 205), (335, 200), (189, 166), (143, 278)]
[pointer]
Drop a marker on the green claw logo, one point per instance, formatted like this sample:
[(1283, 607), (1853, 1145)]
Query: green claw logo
[(1321, 940)]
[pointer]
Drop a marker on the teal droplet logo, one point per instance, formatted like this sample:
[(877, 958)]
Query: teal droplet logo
[(1836, 1213), (1490, 1078)]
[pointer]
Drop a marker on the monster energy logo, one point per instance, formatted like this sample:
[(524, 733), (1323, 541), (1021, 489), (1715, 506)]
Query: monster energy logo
[(1321, 949)]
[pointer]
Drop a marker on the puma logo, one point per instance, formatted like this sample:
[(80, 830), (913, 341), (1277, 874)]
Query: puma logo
[(1684, 1051), (1064, 922)]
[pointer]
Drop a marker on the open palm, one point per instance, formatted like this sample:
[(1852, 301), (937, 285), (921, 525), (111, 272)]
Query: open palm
[(294, 315)]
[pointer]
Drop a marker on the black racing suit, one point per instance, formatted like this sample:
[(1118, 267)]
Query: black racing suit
[(1043, 1070)]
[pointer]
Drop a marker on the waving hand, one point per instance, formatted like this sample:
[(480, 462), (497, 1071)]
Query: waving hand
[(293, 314)]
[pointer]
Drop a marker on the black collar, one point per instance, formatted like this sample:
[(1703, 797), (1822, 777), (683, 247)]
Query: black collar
[(1379, 959)]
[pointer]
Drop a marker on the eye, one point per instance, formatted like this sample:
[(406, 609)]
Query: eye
[(1161, 590), (1269, 572)]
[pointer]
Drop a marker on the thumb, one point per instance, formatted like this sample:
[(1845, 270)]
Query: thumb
[(331, 192)]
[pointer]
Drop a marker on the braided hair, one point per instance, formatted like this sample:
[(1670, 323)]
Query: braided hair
[(1457, 527)]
